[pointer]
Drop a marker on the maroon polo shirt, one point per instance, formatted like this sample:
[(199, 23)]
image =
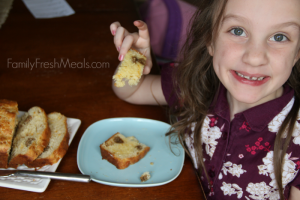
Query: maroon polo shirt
[(238, 154)]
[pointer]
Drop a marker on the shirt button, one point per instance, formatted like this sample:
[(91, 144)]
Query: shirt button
[(224, 135)]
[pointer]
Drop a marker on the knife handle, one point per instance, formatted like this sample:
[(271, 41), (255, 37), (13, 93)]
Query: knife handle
[(55, 175)]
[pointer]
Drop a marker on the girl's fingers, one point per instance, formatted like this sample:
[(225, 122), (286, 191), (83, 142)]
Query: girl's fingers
[(119, 37), (143, 29), (113, 27), (126, 45), (125, 40), (148, 64), (147, 69)]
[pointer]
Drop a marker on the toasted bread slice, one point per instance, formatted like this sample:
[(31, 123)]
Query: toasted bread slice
[(8, 123), (32, 137), (59, 141), (123, 151), (131, 68)]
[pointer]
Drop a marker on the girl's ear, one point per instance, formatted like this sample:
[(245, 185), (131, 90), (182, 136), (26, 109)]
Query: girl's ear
[(210, 49)]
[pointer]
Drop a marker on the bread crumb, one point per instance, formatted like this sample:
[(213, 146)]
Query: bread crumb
[(152, 163), (145, 176)]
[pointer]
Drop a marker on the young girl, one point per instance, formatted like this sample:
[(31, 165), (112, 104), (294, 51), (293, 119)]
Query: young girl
[(236, 95)]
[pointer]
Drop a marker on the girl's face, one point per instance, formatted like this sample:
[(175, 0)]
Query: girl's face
[(256, 48)]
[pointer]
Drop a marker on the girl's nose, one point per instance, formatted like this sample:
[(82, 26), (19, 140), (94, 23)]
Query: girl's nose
[(255, 54)]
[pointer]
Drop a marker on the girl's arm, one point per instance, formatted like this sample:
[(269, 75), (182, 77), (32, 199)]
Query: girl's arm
[(149, 90), (294, 194)]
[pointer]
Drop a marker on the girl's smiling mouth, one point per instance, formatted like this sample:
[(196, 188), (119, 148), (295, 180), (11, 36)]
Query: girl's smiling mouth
[(254, 79)]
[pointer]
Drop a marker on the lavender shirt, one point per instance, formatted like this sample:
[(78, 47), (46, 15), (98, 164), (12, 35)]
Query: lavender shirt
[(238, 154)]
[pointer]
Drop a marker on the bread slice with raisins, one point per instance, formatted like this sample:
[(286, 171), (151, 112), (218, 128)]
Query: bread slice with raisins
[(131, 68), (8, 123), (32, 137), (59, 141), (123, 151)]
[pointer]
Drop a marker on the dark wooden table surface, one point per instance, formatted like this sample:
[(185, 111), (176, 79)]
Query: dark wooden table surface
[(76, 92)]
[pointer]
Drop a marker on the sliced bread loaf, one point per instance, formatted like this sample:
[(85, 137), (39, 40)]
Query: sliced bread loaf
[(8, 122), (123, 151), (131, 68), (31, 138), (59, 141)]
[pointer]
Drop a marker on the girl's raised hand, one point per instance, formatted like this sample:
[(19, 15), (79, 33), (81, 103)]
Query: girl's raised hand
[(139, 41)]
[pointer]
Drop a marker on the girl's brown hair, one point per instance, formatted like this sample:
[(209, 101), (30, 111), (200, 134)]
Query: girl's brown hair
[(197, 86)]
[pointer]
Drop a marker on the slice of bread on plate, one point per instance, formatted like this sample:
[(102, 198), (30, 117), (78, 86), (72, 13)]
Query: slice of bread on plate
[(59, 141), (8, 123), (131, 68), (123, 151), (31, 138)]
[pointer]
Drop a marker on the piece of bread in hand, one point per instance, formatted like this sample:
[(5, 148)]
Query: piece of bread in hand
[(8, 123), (131, 68), (58, 144), (31, 138), (123, 151)]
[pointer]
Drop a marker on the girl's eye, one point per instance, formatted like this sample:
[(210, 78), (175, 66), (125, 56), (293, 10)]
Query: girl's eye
[(279, 38), (238, 32)]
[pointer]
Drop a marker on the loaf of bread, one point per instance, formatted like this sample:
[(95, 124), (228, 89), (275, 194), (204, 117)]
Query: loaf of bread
[(8, 123), (123, 151), (131, 69), (59, 141), (31, 138)]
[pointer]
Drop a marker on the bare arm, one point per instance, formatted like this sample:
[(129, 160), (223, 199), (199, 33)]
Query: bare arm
[(294, 194), (147, 92)]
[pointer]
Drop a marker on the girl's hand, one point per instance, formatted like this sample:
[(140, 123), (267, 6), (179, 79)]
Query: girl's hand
[(139, 41)]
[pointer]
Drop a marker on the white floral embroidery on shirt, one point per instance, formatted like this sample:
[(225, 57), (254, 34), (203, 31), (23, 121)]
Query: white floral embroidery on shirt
[(229, 189), (209, 136), (234, 169), (189, 140), (261, 191), (288, 173), (275, 124)]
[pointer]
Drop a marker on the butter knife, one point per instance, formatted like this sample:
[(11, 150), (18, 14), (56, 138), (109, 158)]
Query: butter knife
[(42, 174)]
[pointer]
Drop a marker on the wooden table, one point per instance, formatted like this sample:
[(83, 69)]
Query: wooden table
[(80, 93)]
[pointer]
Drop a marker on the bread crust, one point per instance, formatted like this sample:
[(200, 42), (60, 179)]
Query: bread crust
[(138, 52), (32, 153), (54, 158), (8, 122), (11, 106), (56, 155), (3, 159), (34, 150), (121, 163)]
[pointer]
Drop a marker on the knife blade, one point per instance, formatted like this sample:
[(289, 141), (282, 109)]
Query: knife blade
[(42, 174)]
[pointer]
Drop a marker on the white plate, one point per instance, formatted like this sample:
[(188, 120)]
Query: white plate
[(37, 184), (162, 164)]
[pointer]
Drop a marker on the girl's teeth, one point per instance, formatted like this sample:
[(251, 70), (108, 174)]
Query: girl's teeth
[(241, 75), (250, 78), (260, 78)]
